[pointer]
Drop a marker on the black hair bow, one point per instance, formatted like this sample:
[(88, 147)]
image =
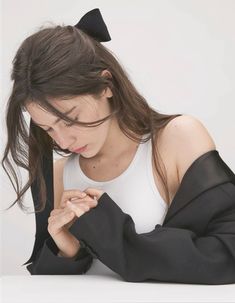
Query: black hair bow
[(93, 24)]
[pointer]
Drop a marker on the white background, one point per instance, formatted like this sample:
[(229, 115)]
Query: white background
[(178, 53)]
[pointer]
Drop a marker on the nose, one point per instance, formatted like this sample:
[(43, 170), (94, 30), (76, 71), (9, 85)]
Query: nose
[(65, 142)]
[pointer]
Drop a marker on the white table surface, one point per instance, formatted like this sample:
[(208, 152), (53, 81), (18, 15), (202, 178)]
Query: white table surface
[(96, 288)]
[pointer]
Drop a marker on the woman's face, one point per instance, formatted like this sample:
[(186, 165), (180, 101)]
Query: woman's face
[(86, 109)]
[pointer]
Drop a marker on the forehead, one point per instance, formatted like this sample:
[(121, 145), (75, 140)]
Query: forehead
[(34, 108), (42, 116)]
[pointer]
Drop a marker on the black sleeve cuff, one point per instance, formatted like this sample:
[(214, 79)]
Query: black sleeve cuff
[(49, 263)]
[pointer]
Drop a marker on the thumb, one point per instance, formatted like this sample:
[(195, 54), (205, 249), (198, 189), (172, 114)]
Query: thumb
[(92, 192)]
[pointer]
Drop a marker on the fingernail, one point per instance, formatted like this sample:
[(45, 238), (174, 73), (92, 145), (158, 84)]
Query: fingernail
[(83, 195)]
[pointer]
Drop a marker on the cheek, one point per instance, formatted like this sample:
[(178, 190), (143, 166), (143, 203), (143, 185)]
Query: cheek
[(90, 116), (95, 132)]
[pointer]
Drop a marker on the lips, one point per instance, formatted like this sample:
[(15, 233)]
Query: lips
[(79, 148)]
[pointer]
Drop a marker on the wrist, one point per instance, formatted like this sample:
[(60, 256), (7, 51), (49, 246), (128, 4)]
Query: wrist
[(71, 255)]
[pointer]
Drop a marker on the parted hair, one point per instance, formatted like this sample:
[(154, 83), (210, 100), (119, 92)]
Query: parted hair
[(61, 62)]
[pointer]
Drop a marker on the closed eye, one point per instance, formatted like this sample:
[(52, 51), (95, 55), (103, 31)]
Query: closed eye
[(66, 124)]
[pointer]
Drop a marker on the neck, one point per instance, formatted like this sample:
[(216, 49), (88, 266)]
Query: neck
[(115, 145)]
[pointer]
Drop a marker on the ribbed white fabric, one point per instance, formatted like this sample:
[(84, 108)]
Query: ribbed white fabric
[(134, 191)]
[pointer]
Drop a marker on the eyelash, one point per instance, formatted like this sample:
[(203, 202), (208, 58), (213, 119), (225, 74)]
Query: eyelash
[(67, 125)]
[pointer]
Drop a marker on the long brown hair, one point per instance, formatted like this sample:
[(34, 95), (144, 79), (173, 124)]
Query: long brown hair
[(62, 62)]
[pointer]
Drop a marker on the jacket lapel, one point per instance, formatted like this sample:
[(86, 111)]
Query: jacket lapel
[(205, 172)]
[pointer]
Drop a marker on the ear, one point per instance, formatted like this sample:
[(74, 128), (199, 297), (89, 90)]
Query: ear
[(107, 91), (106, 73)]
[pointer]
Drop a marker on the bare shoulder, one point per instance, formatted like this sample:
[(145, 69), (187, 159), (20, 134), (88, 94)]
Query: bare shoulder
[(58, 169), (188, 139)]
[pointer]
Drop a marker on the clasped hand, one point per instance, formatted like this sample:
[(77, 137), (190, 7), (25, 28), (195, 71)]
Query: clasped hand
[(74, 203)]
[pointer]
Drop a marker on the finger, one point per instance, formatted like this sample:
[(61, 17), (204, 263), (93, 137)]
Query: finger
[(89, 203), (68, 194), (55, 211), (91, 191), (84, 206), (71, 195), (86, 199), (79, 209), (69, 224), (57, 222), (94, 192)]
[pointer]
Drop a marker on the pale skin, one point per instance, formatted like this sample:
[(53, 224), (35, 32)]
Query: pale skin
[(61, 218), (104, 142), (182, 141)]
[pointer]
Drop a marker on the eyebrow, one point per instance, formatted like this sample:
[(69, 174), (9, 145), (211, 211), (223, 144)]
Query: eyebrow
[(58, 119)]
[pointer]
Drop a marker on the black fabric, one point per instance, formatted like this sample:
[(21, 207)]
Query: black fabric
[(93, 24), (41, 218), (48, 263), (195, 244)]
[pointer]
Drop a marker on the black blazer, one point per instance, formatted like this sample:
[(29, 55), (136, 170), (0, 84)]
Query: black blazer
[(195, 243)]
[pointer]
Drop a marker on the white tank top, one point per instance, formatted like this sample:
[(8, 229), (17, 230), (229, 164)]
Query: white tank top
[(134, 191)]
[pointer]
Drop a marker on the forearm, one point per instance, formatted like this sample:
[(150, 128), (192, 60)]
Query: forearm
[(68, 245), (62, 254)]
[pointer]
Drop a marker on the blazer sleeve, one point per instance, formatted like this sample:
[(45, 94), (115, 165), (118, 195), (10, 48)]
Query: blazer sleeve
[(48, 262), (167, 254)]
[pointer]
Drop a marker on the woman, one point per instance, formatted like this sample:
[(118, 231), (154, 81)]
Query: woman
[(129, 161)]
